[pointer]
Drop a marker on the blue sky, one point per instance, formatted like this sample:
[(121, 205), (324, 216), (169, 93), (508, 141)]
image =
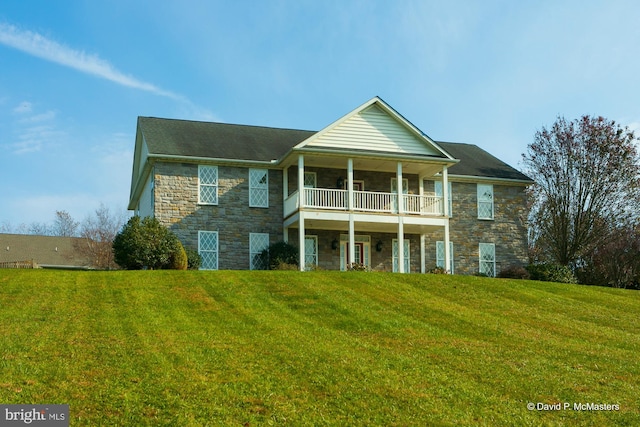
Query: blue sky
[(75, 75)]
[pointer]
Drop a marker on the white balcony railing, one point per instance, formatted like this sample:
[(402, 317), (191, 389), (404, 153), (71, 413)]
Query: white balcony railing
[(364, 201)]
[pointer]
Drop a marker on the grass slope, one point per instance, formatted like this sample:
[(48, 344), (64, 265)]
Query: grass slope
[(319, 348)]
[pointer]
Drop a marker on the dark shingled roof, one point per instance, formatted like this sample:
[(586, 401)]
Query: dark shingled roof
[(52, 251), (474, 161), (218, 140), (256, 143)]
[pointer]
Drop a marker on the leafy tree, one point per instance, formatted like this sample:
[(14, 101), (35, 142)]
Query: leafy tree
[(144, 244), (587, 178)]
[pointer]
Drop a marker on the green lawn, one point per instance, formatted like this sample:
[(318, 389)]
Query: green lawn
[(318, 348)]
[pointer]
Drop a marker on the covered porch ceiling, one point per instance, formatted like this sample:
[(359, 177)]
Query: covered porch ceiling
[(412, 165), (365, 227)]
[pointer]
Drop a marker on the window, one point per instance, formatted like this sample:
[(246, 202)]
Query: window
[(258, 242), (405, 185), (488, 259), (208, 249), (310, 179), (310, 252), (440, 256), (485, 201), (440, 193), (407, 263), (207, 185), (258, 188)]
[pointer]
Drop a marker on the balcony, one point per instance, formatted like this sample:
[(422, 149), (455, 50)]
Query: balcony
[(364, 201)]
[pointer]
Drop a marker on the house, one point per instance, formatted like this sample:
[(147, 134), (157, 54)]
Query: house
[(32, 251), (369, 189)]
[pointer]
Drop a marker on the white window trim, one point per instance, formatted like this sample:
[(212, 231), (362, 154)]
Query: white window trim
[(308, 265), (216, 250), (201, 185), (482, 262), (394, 256), (260, 188), (440, 260), (253, 251), (481, 192)]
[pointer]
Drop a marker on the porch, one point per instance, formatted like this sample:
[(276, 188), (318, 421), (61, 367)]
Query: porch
[(364, 201)]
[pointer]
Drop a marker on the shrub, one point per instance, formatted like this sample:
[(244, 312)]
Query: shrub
[(356, 266), (437, 270), (514, 272), (548, 272), (178, 259), (144, 244), (280, 253), (194, 260)]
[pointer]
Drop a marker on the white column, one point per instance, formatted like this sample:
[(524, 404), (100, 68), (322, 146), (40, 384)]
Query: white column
[(301, 241), (421, 191), (445, 191), (350, 184), (423, 253), (301, 212), (400, 189), (285, 235), (352, 240), (285, 183), (400, 245), (447, 252), (301, 180)]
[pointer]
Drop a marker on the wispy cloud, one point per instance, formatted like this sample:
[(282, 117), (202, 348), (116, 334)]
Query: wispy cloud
[(50, 50)]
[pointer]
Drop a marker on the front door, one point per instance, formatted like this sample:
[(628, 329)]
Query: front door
[(362, 249)]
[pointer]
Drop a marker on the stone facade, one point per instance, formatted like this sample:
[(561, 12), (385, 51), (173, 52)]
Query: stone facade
[(176, 206)]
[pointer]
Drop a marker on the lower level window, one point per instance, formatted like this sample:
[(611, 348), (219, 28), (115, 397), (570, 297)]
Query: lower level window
[(440, 256), (396, 256), (258, 242), (310, 252), (488, 259), (208, 249)]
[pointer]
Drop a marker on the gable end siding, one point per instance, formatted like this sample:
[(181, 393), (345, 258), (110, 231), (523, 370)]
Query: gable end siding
[(374, 130)]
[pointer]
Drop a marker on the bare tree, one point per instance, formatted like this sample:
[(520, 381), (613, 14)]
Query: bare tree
[(587, 178), (97, 232), (64, 225)]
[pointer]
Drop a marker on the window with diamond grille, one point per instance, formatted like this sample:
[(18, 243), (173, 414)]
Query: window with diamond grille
[(310, 252), (488, 259), (485, 201), (208, 249), (207, 185), (310, 180), (440, 255), (258, 188), (395, 256), (258, 242)]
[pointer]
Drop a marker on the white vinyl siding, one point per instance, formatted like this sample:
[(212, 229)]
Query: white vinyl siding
[(440, 256), (310, 252), (208, 249), (487, 255), (440, 193), (258, 188), (485, 201), (374, 130), (258, 242), (207, 185), (146, 202), (395, 255)]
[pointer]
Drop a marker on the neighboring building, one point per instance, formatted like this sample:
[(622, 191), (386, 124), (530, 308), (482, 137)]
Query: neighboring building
[(370, 188), (30, 251)]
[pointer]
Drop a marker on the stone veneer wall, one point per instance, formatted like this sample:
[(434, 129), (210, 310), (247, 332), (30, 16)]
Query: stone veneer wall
[(176, 206), (507, 230)]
